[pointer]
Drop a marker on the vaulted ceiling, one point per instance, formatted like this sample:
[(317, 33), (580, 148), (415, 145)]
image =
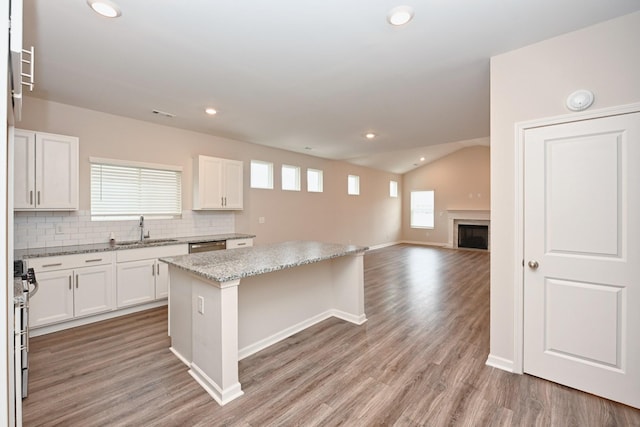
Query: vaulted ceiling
[(308, 76)]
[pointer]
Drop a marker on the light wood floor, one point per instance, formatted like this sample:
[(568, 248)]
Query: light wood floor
[(419, 360)]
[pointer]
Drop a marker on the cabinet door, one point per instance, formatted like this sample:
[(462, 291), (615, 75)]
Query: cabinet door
[(135, 282), (56, 172), (94, 290), (233, 184), (209, 183), (162, 280), (54, 300), (24, 176)]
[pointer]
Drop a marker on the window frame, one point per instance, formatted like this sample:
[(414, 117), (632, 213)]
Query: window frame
[(320, 174), (296, 172), (393, 189), (353, 185), (412, 219), (121, 174), (269, 179)]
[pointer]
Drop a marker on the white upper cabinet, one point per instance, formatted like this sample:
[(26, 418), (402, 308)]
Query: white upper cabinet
[(45, 171), (217, 183)]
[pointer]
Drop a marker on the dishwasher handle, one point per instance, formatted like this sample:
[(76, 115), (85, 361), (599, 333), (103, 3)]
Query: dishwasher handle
[(207, 246)]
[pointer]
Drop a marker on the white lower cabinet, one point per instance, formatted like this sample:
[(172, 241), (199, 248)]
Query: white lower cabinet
[(68, 294), (136, 283), (141, 277)]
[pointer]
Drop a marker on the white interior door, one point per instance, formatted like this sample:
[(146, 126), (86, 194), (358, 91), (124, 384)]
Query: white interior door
[(582, 255)]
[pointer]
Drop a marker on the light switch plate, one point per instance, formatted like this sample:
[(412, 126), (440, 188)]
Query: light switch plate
[(201, 305)]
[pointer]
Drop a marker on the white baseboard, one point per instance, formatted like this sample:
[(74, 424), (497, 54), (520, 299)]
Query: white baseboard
[(285, 333), (179, 356), (42, 330), (351, 318), (221, 396), (500, 363), (415, 242), (383, 245)]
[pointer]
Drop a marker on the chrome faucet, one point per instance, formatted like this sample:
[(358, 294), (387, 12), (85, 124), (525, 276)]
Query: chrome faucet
[(141, 225)]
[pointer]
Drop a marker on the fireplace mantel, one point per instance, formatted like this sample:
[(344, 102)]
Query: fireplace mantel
[(465, 216)]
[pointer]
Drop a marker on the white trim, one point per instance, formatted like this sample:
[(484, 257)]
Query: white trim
[(96, 318), (351, 318), (500, 363), (292, 330), (518, 232), (383, 245), (180, 357), (418, 242), (280, 335), (221, 396), (133, 164)]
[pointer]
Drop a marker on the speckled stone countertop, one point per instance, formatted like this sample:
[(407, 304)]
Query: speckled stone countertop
[(233, 264), (105, 247)]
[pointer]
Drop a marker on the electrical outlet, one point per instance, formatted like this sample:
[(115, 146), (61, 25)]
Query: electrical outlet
[(59, 229), (201, 305)]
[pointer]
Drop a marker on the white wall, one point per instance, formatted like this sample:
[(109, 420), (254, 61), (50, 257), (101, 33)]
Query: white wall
[(533, 83), (372, 218), (460, 181)]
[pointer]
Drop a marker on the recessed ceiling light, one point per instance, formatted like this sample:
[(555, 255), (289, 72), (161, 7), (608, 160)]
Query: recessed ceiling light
[(400, 15), (105, 8), (422, 159), (370, 135), (211, 111)]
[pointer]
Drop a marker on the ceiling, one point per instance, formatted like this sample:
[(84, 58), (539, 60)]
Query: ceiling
[(306, 76)]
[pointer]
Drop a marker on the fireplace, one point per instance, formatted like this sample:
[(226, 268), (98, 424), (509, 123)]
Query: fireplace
[(457, 217), (473, 236)]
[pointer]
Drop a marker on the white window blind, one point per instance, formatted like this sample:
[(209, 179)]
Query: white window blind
[(127, 191)]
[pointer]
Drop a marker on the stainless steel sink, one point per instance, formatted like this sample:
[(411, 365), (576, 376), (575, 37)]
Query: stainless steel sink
[(145, 242)]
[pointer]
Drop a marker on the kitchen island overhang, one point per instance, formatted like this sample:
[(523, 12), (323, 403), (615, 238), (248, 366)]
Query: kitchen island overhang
[(227, 305)]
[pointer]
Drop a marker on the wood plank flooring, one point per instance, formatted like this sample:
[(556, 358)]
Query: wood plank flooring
[(418, 361)]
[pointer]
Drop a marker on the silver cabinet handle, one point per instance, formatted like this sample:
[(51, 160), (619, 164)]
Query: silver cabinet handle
[(57, 264), (38, 197), (240, 244), (31, 197), (158, 268), (70, 280), (77, 281), (93, 260), (153, 270), (533, 264)]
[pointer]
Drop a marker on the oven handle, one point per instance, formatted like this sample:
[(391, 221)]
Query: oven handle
[(30, 292)]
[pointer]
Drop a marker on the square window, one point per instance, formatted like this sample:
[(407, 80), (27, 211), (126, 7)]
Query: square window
[(353, 185), (393, 189), (314, 181), (290, 178), (261, 174)]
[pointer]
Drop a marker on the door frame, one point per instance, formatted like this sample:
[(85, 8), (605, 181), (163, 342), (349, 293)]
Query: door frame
[(518, 232)]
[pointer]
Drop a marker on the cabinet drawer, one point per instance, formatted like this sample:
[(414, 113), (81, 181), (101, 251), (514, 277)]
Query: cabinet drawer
[(69, 261), (150, 253), (239, 243)]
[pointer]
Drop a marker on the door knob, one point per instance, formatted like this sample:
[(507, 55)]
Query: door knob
[(533, 264)]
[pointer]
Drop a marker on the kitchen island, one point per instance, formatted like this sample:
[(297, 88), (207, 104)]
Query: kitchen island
[(227, 305)]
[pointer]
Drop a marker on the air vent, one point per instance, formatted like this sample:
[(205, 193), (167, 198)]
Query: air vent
[(163, 113)]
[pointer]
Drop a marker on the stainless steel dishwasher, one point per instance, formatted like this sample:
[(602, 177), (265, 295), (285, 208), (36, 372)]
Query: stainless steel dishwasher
[(207, 246)]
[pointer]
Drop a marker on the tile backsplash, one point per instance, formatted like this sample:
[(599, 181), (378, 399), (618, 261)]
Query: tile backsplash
[(47, 229)]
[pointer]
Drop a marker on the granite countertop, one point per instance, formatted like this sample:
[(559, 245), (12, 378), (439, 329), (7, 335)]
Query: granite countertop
[(105, 247), (224, 266)]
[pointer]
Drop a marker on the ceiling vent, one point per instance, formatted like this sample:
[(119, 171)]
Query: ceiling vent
[(163, 113)]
